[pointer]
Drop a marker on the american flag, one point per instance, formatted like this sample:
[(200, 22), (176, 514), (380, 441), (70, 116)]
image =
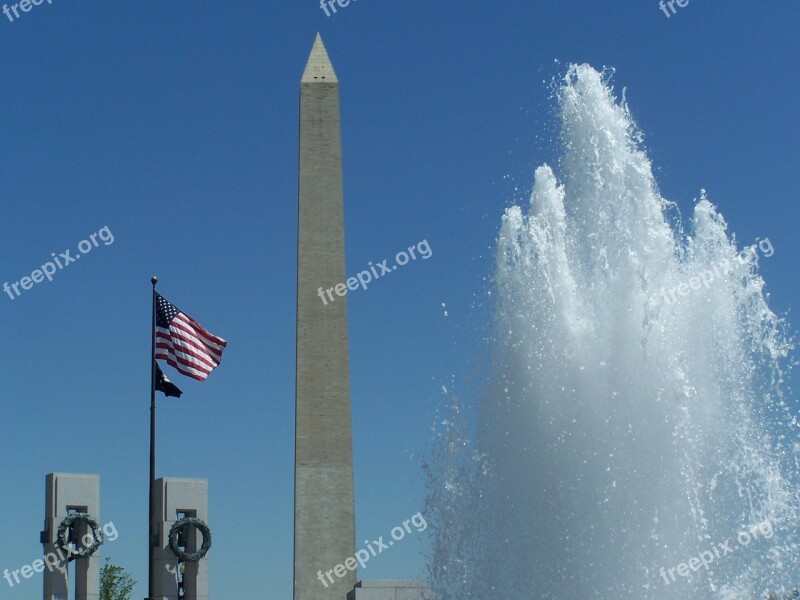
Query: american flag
[(183, 343)]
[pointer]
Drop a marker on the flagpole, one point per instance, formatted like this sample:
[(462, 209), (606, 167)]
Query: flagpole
[(152, 533)]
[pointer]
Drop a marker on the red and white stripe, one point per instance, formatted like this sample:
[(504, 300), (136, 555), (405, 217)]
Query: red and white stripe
[(189, 347)]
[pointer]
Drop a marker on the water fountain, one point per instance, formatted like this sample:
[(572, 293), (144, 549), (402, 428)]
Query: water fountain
[(632, 442)]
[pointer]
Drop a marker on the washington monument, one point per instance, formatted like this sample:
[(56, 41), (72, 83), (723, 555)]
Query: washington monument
[(324, 513)]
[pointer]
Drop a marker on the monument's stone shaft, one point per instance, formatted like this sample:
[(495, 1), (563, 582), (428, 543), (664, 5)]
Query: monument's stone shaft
[(324, 518)]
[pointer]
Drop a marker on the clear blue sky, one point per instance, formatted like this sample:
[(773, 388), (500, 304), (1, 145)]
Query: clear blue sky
[(174, 124)]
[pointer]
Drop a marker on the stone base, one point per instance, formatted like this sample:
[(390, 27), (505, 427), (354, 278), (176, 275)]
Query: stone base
[(391, 589)]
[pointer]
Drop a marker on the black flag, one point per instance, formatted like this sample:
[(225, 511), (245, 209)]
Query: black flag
[(165, 385)]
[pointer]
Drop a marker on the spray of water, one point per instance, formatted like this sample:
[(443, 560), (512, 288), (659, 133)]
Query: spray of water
[(634, 420)]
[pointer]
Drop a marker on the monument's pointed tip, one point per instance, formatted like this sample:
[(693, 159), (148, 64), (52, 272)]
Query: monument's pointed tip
[(319, 67)]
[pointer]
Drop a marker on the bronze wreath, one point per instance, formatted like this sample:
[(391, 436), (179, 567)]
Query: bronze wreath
[(173, 540), (70, 521)]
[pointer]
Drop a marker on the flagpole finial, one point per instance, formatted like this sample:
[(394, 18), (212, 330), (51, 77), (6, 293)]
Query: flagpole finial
[(154, 280)]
